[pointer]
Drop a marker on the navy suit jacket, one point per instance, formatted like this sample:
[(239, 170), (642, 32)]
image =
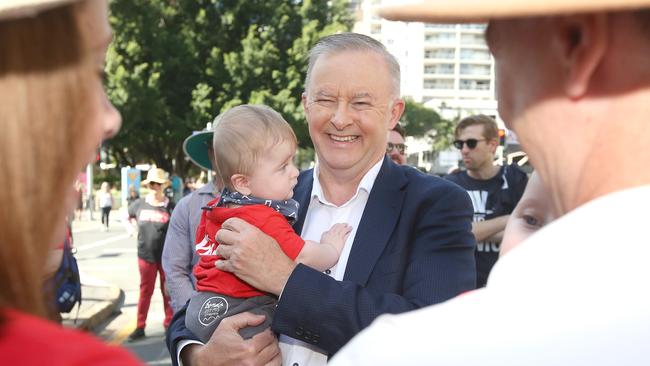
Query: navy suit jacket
[(413, 247)]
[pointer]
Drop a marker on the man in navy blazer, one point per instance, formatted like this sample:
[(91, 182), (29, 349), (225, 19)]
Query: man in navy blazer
[(410, 251), (411, 244)]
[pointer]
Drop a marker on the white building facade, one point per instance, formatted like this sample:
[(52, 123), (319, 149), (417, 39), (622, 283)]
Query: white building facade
[(447, 67)]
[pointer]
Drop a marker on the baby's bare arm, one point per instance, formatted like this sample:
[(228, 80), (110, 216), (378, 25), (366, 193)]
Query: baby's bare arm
[(324, 255)]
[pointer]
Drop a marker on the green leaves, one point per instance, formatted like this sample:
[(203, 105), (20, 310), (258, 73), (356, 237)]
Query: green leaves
[(420, 121), (174, 65)]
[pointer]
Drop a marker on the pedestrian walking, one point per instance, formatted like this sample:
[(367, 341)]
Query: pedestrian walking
[(105, 203), (150, 215)]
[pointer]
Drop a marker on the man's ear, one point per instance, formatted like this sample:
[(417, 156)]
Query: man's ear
[(240, 183), (584, 41), (494, 143), (396, 112)]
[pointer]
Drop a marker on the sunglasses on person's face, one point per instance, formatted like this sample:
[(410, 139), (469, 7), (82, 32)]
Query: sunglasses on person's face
[(154, 184), (471, 143), (400, 147)]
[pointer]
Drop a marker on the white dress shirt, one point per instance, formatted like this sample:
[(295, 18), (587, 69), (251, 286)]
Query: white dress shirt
[(321, 215)]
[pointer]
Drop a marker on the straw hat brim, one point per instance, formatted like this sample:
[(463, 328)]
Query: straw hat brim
[(196, 148), (156, 175), (478, 11), (163, 182), (14, 9)]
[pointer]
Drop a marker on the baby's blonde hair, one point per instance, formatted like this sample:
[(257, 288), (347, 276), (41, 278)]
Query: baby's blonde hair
[(242, 134)]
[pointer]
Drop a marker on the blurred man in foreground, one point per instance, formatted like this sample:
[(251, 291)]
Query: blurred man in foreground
[(574, 84)]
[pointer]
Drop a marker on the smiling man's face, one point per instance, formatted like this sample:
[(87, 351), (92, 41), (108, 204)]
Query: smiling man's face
[(350, 105)]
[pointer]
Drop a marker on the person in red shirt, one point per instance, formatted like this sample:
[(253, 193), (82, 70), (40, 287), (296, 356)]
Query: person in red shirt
[(53, 115), (254, 151)]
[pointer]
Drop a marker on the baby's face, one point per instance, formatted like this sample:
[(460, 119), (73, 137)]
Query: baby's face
[(533, 212), (275, 174)]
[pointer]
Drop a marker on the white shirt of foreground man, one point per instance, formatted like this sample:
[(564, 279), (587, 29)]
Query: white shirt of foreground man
[(574, 83), (547, 303)]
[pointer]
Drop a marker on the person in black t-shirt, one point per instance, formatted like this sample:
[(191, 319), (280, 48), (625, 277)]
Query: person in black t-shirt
[(151, 215), (494, 190)]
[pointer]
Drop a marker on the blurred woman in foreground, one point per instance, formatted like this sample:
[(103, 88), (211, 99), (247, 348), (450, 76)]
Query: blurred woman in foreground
[(53, 115)]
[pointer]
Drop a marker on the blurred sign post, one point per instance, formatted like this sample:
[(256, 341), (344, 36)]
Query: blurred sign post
[(130, 178)]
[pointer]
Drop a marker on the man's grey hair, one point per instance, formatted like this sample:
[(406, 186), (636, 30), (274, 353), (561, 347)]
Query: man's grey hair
[(356, 42)]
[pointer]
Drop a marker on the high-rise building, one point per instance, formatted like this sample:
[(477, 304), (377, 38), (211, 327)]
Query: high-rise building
[(447, 67)]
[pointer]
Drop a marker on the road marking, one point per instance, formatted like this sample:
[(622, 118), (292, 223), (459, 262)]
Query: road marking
[(94, 228), (120, 251), (89, 280), (122, 334), (97, 270), (103, 242)]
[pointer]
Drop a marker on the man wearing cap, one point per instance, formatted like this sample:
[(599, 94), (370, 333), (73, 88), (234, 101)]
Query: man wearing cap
[(573, 81), (179, 256)]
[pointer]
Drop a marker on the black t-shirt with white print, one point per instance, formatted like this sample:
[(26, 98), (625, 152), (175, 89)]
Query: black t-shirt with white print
[(152, 228), (491, 198)]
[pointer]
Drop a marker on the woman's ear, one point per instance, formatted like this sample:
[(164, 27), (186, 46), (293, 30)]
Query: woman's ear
[(240, 183)]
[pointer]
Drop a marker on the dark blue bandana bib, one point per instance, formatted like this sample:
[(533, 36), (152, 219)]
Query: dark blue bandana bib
[(288, 208)]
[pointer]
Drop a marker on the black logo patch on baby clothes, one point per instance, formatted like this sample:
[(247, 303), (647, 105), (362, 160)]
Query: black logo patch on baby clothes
[(212, 309)]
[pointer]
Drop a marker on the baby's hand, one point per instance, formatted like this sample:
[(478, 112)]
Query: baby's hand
[(336, 235)]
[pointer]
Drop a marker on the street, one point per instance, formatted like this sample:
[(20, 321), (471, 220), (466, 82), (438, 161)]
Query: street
[(112, 256)]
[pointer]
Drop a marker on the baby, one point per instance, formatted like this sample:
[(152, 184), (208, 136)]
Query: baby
[(254, 149)]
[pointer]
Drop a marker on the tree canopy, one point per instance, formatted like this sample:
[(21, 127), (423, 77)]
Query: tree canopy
[(174, 65), (420, 121)]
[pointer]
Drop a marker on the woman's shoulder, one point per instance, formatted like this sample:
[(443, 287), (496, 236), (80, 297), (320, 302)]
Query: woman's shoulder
[(28, 340)]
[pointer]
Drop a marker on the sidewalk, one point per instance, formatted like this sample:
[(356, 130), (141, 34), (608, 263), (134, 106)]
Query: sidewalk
[(99, 300), (117, 217)]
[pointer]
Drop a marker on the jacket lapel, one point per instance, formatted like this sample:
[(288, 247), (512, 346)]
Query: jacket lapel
[(302, 194), (377, 223)]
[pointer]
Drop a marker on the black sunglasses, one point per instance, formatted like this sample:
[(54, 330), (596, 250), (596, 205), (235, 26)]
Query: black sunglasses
[(400, 147), (471, 143)]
